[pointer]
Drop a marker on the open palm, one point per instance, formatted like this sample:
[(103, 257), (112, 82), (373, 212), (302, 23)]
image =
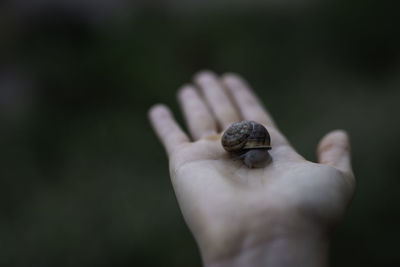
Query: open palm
[(230, 207)]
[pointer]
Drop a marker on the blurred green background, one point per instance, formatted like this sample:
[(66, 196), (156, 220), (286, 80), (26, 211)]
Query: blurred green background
[(84, 180)]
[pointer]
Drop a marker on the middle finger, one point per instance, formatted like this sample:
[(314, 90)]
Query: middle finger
[(219, 102)]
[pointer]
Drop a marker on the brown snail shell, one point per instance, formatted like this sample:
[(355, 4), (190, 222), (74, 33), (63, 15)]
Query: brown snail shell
[(245, 135), (248, 141)]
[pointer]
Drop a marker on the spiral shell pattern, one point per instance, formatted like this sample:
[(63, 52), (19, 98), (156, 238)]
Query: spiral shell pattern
[(245, 135), (235, 137)]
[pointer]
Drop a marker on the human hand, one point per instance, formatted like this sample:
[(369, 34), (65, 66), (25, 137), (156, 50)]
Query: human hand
[(279, 215)]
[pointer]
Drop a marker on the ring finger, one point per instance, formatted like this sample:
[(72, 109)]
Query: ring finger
[(197, 116)]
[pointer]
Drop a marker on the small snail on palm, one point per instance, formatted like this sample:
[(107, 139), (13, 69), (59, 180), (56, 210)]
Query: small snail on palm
[(249, 141)]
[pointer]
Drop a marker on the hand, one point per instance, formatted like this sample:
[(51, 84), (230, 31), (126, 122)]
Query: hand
[(280, 215)]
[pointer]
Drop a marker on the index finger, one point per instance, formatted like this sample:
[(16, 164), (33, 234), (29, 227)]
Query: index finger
[(249, 105)]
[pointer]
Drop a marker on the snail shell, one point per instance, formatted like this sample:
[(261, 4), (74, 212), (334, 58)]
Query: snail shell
[(248, 141), (245, 135)]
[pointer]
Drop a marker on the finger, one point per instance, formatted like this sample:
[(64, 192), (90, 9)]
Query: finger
[(166, 128), (248, 103), (198, 118), (219, 102), (250, 106), (334, 150)]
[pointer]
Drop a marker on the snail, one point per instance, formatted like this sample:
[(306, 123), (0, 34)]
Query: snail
[(248, 141)]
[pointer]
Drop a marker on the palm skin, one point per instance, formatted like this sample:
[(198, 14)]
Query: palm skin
[(231, 208)]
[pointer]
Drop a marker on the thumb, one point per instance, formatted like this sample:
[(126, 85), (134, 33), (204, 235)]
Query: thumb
[(334, 150)]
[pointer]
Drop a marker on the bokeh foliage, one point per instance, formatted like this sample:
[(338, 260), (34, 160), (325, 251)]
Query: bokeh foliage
[(84, 180)]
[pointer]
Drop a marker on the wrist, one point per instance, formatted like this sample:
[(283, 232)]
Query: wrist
[(303, 248), (279, 252)]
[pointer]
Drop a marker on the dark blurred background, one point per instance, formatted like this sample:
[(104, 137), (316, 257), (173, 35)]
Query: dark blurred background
[(83, 178)]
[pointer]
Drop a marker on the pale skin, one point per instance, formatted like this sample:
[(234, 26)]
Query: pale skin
[(280, 215)]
